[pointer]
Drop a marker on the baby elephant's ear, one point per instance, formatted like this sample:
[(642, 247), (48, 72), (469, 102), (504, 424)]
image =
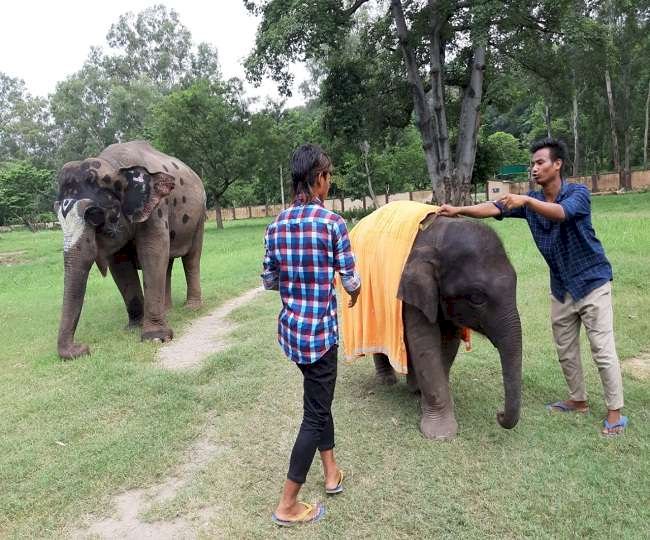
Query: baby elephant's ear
[(419, 285), (143, 192)]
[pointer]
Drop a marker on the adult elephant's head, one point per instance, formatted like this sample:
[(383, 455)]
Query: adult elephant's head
[(98, 203), (458, 270)]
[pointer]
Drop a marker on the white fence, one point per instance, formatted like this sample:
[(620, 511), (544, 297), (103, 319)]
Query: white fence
[(338, 205)]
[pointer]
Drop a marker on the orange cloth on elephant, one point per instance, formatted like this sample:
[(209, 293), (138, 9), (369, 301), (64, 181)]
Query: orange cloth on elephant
[(381, 243)]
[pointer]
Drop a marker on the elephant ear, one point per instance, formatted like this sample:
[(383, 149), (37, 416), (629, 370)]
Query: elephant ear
[(143, 192), (419, 285)]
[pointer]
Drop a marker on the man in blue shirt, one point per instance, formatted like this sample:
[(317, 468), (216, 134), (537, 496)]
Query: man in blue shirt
[(559, 218)]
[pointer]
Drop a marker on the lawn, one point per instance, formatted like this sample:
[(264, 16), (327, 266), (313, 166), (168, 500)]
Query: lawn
[(75, 434)]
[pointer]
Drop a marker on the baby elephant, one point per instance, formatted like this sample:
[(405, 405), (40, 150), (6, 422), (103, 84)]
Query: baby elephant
[(456, 275)]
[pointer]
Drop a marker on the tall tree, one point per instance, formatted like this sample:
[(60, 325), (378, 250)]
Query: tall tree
[(152, 42), (205, 125), (24, 123), (444, 44)]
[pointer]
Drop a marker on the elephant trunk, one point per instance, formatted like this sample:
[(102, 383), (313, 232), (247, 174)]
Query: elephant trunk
[(510, 352), (78, 259)]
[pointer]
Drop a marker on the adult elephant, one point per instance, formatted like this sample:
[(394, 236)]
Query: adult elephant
[(456, 275), (129, 208)]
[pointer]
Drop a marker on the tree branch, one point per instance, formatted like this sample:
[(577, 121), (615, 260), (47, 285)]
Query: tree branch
[(354, 7)]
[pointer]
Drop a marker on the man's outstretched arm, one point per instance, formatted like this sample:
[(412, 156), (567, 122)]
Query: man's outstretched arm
[(482, 210)]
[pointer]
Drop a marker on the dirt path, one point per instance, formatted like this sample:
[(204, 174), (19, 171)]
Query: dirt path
[(639, 367), (205, 336), (127, 524)]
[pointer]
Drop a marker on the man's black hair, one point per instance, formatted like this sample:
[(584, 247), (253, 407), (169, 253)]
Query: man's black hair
[(557, 149), (307, 161)]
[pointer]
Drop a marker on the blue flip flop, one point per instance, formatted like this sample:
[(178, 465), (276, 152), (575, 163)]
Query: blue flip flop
[(302, 518), (622, 423), (339, 486), (563, 406)]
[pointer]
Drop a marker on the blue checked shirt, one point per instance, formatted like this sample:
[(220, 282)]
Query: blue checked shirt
[(575, 256), (305, 246)]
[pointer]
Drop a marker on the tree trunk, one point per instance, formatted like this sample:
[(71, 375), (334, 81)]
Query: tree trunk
[(626, 115), (574, 123), (282, 189), (594, 182), (365, 149), (612, 123), (27, 222), (627, 173), (422, 109), (547, 120), (217, 212), (645, 133), (436, 61), (458, 193)]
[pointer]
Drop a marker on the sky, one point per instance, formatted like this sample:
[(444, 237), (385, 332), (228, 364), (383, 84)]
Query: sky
[(42, 42)]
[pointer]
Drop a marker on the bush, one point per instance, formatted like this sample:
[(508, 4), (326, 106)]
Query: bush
[(25, 192), (356, 214)]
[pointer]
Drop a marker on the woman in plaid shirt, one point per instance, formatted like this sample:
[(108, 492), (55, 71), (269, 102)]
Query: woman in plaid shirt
[(305, 247)]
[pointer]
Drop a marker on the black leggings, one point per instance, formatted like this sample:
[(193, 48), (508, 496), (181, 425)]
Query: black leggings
[(317, 428)]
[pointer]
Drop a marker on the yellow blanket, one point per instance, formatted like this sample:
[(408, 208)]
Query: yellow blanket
[(381, 243)]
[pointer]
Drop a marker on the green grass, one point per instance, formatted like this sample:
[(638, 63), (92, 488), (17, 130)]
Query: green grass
[(125, 423)]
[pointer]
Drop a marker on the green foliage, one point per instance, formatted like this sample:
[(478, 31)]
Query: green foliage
[(354, 215), (507, 149), (24, 127), (25, 191), (292, 29), (205, 125)]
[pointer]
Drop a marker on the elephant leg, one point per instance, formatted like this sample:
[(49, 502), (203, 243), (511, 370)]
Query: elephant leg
[(424, 342), (168, 285), (411, 379), (126, 278), (192, 267), (450, 334), (383, 370), (152, 244)]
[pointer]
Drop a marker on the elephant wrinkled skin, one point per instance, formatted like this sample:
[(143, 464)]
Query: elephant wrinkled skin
[(129, 208), (457, 275)]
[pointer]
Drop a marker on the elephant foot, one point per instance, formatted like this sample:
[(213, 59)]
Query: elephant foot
[(74, 350), (133, 324), (162, 336), (440, 428), (383, 370), (193, 304)]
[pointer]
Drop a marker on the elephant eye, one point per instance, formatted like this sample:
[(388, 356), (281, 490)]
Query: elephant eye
[(477, 298)]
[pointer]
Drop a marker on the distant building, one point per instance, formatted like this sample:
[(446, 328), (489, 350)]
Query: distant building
[(509, 179)]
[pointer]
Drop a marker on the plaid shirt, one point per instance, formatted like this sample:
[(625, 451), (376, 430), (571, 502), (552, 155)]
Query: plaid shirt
[(305, 246), (575, 256)]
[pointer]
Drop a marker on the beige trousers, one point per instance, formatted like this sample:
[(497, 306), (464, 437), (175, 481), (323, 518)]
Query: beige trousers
[(595, 312)]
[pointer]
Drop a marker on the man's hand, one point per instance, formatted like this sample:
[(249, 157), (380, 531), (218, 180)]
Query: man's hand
[(511, 201), (448, 210), (353, 297)]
